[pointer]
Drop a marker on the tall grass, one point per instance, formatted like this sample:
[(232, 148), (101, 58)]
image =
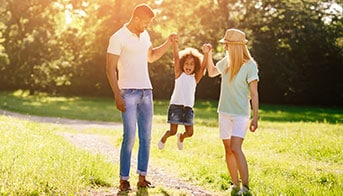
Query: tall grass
[(34, 160), (295, 151), (284, 158)]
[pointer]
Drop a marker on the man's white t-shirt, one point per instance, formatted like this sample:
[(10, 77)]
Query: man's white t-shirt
[(133, 58)]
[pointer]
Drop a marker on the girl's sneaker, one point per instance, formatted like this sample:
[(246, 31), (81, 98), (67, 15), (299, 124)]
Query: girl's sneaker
[(245, 191), (160, 145), (234, 190)]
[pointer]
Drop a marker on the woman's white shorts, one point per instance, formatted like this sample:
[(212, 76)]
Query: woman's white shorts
[(230, 125)]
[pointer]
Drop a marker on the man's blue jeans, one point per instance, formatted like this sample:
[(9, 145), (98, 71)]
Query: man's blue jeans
[(139, 110)]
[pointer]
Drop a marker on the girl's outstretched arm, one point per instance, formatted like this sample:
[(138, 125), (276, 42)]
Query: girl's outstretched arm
[(177, 68), (200, 73)]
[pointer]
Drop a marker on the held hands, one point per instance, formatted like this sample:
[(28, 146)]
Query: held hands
[(206, 48), (173, 38)]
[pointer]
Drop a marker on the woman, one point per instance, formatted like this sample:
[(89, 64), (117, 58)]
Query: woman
[(239, 78)]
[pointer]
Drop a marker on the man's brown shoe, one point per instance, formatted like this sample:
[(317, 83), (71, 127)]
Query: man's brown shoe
[(124, 186), (145, 184)]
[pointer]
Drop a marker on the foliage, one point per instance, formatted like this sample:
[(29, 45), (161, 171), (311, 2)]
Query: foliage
[(44, 49), (298, 45), (60, 46)]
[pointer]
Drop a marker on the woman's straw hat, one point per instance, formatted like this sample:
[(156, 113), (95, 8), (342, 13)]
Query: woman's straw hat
[(234, 36)]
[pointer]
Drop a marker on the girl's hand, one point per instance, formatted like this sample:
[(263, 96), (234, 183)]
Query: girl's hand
[(176, 38), (206, 48)]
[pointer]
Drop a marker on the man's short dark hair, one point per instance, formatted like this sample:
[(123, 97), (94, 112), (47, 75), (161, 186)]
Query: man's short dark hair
[(143, 10)]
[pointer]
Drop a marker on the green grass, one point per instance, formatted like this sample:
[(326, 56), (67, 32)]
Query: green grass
[(55, 106), (295, 151), (103, 109), (284, 158), (34, 160)]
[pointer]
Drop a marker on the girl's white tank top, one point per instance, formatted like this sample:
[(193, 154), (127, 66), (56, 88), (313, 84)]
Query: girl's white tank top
[(184, 90)]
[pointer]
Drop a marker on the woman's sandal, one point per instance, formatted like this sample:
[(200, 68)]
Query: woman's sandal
[(145, 184)]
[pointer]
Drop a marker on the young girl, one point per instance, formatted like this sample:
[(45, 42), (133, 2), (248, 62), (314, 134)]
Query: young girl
[(238, 85), (188, 70)]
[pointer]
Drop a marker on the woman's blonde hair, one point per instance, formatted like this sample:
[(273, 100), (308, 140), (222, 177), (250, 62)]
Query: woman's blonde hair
[(235, 44), (238, 56)]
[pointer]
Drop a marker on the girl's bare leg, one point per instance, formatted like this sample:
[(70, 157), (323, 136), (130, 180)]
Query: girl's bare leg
[(171, 132), (188, 132)]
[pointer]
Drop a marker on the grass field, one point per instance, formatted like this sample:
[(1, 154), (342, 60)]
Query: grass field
[(34, 160), (296, 150)]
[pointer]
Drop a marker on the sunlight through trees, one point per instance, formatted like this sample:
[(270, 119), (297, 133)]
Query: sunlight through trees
[(59, 46)]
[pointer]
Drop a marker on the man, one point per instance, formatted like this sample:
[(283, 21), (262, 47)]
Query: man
[(129, 52)]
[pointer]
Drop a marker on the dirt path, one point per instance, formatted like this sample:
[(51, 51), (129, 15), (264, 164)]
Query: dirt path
[(100, 144)]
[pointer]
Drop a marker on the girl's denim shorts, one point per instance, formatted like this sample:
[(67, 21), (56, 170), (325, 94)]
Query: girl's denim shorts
[(181, 115)]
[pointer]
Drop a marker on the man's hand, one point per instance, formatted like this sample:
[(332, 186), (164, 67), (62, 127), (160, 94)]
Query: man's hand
[(120, 104), (173, 38)]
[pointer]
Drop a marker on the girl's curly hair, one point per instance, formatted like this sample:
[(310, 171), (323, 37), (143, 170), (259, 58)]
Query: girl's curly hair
[(191, 53)]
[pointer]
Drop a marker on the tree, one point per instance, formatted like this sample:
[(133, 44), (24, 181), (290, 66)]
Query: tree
[(42, 49), (60, 46), (298, 49)]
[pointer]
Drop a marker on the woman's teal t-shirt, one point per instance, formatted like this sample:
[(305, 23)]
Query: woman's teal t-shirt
[(235, 95)]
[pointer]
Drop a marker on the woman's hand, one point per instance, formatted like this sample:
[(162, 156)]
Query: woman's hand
[(206, 48), (253, 125)]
